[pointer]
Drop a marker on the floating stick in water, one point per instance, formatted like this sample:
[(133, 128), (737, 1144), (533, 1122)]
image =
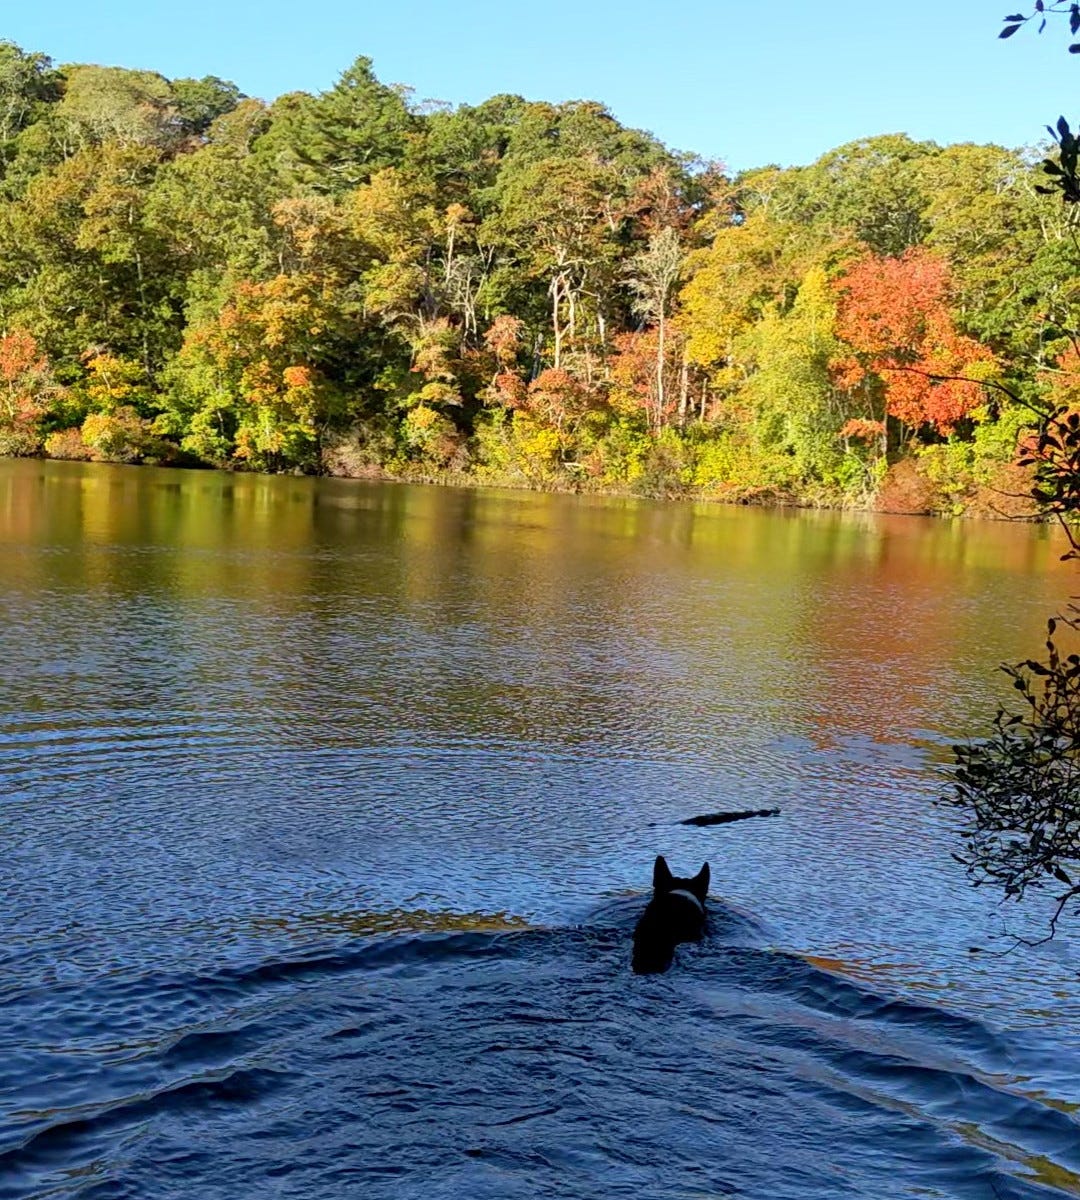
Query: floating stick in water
[(722, 818)]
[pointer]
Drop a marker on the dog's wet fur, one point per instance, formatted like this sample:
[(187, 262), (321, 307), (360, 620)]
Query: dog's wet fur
[(676, 913)]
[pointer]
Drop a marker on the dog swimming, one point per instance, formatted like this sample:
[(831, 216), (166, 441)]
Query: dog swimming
[(676, 913)]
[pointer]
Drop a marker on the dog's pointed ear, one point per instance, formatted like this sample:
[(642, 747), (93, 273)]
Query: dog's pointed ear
[(662, 877), (700, 883)]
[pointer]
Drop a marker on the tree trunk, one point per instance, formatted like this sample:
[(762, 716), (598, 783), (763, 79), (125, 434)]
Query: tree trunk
[(556, 303), (661, 330)]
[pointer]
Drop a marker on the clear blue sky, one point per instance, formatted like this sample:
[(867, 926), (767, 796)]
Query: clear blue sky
[(748, 83)]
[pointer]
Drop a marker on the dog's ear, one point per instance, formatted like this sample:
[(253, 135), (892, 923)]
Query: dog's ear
[(662, 878), (699, 885)]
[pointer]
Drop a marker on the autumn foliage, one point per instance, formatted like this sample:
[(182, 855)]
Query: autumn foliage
[(894, 315), (25, 383), (634, 375), (517, 291), (23, 376)]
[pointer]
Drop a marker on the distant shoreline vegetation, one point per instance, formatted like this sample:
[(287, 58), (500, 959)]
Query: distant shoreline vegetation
[(517, 293)]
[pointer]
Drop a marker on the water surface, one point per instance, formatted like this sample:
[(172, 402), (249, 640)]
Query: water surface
[(328, 808)]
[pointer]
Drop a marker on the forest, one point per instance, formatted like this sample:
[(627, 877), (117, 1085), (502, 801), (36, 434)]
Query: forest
[(518, 293)]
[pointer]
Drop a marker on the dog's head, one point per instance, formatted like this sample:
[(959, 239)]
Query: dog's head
[(663, 881), (676, 913)]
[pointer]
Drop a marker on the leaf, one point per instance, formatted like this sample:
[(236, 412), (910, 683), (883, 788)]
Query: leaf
[(1008, 31), (1058, 873), (1015, 17)]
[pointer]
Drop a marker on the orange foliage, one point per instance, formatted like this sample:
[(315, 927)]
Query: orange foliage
[(633, 373), (1063, 381), (508, 390), (24, 379), (298, 377), (893, 313), (18, 355), (556, 397), (503, 339), (862, 430)]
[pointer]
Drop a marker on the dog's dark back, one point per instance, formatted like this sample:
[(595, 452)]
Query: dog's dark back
[(676, 913)]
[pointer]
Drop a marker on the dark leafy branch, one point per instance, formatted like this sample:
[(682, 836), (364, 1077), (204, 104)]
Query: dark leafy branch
[(1063, 171), (1055, 457), (1040, 14), (1018, 788)]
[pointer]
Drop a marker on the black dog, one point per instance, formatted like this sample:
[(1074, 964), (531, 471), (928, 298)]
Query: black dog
[(676, 913)]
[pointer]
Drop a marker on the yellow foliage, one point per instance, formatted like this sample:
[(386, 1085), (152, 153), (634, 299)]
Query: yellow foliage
[(112, 382), (119, 436)]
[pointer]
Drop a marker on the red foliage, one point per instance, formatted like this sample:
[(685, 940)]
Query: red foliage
[(633, 370), (893, 313), (633, 373), (19, 355), (503, 339), (24, 379), (555, 396), (509, 390)]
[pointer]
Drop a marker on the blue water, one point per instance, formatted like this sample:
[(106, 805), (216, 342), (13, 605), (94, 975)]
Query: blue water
[(327, 810)]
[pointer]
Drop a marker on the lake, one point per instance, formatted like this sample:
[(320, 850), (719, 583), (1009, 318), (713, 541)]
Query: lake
[(328, 809)]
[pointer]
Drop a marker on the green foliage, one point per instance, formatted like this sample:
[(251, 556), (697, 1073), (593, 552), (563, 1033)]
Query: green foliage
[(665, 468), (200, 102), (614, 454), (797, 412), (962, 469), (515, 448), (1055, 456), (342, 137), (113, 104), (28, 84), (431, 439)]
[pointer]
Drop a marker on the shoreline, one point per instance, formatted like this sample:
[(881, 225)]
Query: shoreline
[(765, 498)]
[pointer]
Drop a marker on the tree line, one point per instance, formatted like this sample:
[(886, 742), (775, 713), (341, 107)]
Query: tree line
[(516, 292)]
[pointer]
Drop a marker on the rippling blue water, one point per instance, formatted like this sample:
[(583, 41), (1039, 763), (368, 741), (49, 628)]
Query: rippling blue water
[(327, 811)]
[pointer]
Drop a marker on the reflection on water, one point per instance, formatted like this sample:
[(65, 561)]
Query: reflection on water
[(328, 807)]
